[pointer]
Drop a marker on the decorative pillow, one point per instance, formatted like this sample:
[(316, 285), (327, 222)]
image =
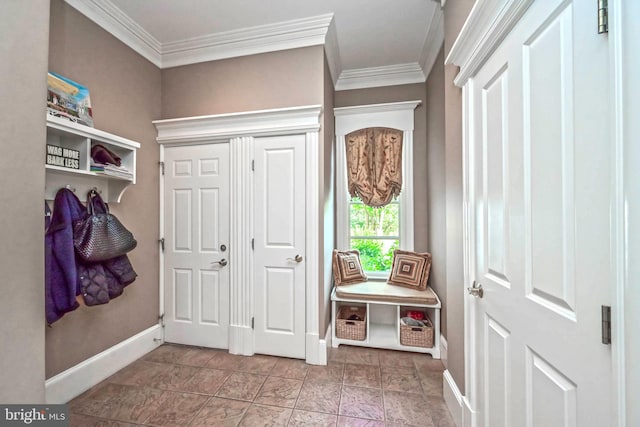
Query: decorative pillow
[(347, 268), (410, 269)]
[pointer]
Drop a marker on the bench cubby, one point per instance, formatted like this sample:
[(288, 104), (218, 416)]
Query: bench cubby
[(383, 315)]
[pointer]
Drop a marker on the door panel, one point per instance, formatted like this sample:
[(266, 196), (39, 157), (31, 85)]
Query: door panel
[(540, 193), (279, 280), (196, 192)]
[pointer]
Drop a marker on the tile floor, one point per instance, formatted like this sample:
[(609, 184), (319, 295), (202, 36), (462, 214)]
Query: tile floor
[(190, 386)]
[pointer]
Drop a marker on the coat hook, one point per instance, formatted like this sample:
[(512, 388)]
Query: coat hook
[(68, 187)]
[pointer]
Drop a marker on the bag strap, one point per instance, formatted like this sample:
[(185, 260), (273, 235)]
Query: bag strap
[(95, 204)]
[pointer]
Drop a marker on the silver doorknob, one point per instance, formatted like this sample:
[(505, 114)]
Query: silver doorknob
[(476, 290), (297, 258), (222, 262)]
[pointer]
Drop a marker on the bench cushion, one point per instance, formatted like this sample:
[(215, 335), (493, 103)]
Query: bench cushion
[(380, 291)]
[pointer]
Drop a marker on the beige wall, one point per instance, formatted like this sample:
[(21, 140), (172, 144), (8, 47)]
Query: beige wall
[(125, 96), (23, 49), (328, 202), (436, 196), (455, 14), (258, 82)]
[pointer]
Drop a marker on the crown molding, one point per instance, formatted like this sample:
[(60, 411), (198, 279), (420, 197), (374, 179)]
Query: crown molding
[(433, 41), (332, 52), (312, 31), (487, 25), (113, 20), (377, 108), (391, 75), (280, 121), (248, 41)]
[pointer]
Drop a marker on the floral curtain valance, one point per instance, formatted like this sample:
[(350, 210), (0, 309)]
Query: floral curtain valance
[(374, 165)]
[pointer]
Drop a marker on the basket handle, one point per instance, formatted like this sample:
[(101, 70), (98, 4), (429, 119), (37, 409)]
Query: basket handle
[(416, 329), (349, 323)]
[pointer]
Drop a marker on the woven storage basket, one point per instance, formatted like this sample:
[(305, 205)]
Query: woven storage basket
[(351, 329), (417, 336)]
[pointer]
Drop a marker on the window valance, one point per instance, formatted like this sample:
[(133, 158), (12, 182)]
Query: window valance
[(374, 164)]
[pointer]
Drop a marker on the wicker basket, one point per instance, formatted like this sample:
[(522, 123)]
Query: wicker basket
[(417, 336), (351, 329)]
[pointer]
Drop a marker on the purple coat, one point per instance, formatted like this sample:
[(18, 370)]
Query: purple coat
[(65, 276), (61, 273)]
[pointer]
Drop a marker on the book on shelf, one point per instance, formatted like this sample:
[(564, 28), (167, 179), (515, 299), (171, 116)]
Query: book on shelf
[(111, 170)]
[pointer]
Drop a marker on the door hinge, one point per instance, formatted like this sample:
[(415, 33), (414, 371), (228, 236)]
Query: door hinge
[(606, 324), (253, 323), (253, 165), (253, 244), (161, 319), (603, 16), (161, 167), (161, 241)]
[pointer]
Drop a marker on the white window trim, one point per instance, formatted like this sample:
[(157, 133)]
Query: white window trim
[(397, 115)]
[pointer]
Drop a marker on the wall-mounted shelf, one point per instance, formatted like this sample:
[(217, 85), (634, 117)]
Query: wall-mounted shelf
[(69, 135)]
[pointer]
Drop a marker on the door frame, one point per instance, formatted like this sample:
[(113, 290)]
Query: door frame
[(485, 28), (239, 130)]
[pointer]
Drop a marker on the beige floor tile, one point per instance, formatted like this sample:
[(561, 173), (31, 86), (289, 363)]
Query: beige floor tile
[(362, 375), (241, 386), (220, 412), (361, 402), (407, 409), (331, 373), (197, 356), (319, 397), (176, 409), (316, 419), (206, 381), (290, 368), (358, 422), (119, 402), (261, 415), (168, 353), (278, 391), (78, 420), (362, 356), (400, 379)]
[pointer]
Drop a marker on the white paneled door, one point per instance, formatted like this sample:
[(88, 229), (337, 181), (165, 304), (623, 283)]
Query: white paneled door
[(279, 230), (196, 271), (540, 194)]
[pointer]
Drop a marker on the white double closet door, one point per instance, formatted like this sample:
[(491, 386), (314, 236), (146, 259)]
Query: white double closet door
[(199, 282)]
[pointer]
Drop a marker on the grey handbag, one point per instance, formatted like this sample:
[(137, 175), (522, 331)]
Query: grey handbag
[(100, 235)]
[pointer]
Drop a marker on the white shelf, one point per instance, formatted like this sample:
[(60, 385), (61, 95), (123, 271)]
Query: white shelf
[(383, 324), (64, 133)]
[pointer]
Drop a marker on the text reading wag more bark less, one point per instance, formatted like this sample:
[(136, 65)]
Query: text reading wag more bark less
[(64, 157)]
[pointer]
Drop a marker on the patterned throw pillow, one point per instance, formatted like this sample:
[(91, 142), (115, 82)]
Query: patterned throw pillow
[(410, 269), (347, 268)]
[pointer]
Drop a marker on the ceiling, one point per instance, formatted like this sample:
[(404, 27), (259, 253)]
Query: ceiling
[(368, 42)]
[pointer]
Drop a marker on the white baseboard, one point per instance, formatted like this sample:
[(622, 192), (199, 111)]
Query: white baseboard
[(81, 377), (452, 398), (241, 340), (443, 350), (458, 404), (316, 349)]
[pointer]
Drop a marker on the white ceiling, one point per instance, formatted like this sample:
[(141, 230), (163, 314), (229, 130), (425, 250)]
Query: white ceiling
[(368, 42)]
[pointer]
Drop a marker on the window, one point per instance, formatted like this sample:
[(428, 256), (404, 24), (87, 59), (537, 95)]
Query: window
[(375, 232)]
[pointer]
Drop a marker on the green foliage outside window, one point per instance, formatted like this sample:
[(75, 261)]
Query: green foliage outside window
[(375, 233), (373, 255)]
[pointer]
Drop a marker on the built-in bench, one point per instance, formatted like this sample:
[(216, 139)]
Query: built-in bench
[(385, 304)]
